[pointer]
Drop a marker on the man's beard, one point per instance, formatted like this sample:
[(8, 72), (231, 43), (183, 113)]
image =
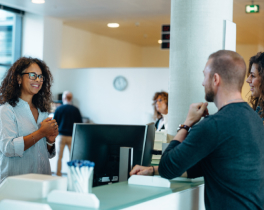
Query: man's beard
[(209, 94)]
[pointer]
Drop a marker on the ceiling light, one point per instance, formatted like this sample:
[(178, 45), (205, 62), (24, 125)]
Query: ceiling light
[(38, 1), (113, 25), (159, 41)]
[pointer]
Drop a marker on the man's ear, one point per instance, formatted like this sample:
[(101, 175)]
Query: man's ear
[(216, 79)]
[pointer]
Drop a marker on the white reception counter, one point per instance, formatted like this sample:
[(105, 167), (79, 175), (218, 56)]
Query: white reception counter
[(181, 195)]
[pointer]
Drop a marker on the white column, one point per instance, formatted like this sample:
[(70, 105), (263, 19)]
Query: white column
[(196, 32), (32, 35), (53, 29)]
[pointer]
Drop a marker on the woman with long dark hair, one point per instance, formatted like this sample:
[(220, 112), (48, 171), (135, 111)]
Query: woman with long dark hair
[(256, 82), (27, 135)]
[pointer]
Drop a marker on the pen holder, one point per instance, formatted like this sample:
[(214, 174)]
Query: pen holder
[(80, 176)]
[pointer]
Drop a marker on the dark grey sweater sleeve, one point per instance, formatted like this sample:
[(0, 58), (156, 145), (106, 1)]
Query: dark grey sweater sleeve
[(179, 157)]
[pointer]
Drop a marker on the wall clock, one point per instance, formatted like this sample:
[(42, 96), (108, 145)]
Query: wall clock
[(120, 83)]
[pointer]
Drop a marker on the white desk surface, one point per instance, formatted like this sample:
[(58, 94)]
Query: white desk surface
[(121, 195)]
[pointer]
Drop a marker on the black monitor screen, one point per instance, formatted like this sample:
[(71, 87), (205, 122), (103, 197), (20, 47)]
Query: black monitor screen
[(101, 144)]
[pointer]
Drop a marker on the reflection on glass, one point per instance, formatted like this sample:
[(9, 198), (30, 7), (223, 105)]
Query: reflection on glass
[(6, 37), (3, 70)]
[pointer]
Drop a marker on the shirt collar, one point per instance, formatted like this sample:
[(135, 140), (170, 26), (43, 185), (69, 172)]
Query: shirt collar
[(22, 102)]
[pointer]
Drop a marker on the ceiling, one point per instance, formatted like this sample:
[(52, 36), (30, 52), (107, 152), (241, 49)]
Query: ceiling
[(140, 20)]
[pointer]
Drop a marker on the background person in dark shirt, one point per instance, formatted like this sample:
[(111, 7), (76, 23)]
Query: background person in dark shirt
[(66, 115), (227, 148)]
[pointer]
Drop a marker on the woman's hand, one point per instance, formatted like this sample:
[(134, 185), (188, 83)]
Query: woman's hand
[(141, 170), (49, 128), (52, 138)]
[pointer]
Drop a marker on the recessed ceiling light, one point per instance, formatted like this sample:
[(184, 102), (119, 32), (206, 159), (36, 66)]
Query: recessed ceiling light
[(159, 41), (38, 1), (113, 25)]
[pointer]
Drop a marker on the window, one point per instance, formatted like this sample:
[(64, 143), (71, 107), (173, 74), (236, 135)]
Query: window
[(10, 37)]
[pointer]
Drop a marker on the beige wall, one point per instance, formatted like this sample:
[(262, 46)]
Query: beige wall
[(261, 48), (155, 57), (82, 49)]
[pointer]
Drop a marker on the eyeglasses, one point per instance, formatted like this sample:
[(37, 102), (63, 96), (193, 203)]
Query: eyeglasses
[(33, 76), (158, 100)]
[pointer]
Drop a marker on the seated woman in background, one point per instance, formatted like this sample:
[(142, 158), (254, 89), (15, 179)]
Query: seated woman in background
[(256, 82), (27, 136), (160, 110)]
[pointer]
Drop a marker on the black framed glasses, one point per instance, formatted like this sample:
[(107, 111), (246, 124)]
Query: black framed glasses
[(33, 76)]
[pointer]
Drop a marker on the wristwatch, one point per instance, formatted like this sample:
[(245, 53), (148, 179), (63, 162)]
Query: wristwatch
[(182, 126)]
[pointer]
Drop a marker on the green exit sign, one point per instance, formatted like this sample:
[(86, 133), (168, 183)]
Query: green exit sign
[(252, 8)]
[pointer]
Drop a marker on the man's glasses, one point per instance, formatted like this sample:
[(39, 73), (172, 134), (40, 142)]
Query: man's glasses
[(33, 76), (159, 100)]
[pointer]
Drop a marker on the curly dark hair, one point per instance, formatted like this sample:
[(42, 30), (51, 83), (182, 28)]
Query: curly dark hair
[(10, 90), (258, 101), (165, 97)]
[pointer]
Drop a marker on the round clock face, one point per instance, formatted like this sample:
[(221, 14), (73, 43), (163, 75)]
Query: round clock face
[(120, 83)]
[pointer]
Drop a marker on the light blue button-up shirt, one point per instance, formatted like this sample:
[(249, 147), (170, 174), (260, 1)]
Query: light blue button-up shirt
[(16, 122)]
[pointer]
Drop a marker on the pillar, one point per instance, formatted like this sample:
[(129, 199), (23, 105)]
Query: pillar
[(197, 30)]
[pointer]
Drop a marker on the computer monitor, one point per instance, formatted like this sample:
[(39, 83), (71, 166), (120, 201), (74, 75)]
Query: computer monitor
[(101, 144)]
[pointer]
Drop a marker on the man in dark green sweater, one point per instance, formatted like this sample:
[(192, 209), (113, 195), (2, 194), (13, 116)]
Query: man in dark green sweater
[(227, 148)]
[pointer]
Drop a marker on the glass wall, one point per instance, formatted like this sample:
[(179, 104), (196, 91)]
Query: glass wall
[(10, 39)]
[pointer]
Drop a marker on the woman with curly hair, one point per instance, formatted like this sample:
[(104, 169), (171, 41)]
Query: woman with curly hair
[(27, 135), (256, 82), (160, 103)]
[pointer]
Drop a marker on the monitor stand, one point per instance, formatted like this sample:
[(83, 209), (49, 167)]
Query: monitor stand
[(125, 163)]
